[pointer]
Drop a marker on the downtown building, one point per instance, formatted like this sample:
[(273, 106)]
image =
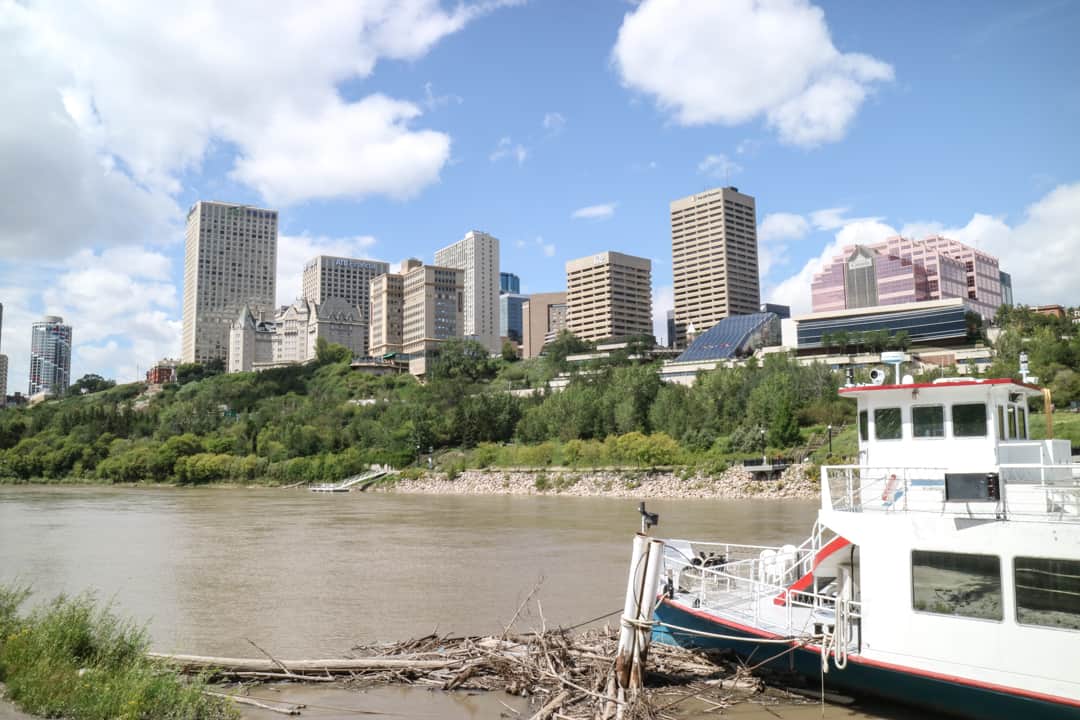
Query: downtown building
[(3, 364), (543, 317), (714, 259), (477, 255), (50, 356), (349, 279), (900, 271), (609, 296), (230, 263)]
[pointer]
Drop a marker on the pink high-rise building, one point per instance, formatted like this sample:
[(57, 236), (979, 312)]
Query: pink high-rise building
[(903, 270)]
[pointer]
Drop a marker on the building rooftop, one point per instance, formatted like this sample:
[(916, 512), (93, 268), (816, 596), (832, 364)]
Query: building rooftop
[(726, 339)]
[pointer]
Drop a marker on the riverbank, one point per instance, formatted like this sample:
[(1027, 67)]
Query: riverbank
[(796, 483)]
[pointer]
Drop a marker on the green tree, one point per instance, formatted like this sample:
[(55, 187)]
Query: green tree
[(327, 352), (90, 383), (462, 360)]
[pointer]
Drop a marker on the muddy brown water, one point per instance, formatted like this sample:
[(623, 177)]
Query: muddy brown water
[(305, 574)]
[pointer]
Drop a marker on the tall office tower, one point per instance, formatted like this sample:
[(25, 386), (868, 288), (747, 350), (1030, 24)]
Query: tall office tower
[(543, 317), (50, 356), (509, 283), (714, 259), (386, 328), (670, 318), (346, 278), (3, 379), (230, 262), (1006, 288), (434, 310), (478, 255), (609, 295)]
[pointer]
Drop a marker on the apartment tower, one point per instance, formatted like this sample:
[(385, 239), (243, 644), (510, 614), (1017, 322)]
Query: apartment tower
[(230, 261), (714, 259), (609, 295), (477, 254), (50, 356)]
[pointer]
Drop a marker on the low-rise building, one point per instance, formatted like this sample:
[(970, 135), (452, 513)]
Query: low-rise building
[(543, 317), (163, 371)]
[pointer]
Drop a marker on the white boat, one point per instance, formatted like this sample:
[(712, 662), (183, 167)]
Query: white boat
[(943, 570)]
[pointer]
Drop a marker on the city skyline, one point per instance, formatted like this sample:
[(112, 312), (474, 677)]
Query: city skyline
[(581, 153)]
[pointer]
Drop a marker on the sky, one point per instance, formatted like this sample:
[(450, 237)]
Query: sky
[(387, 129)]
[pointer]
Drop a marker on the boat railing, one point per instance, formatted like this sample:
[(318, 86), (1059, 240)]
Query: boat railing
[(1027, 491), (748, 585)]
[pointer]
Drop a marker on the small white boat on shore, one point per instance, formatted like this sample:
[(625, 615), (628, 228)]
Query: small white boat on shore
[(943, 570)]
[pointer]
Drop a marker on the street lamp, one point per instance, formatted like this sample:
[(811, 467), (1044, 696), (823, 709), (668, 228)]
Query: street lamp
[(830, 440), (764, 460)]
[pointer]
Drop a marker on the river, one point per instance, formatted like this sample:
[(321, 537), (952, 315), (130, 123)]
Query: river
[(305, 574)]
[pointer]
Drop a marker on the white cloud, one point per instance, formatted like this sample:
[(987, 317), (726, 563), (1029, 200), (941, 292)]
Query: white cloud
[(774, 59), (595, 212), (719, 166), (833, 218), (554, 122), (295, 250), (506, 148), (782, 226), (150, 88), (663, 300), (433, 101), (297, 156)]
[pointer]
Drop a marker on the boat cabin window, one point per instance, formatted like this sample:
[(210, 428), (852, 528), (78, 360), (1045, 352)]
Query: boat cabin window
[(1047, 592), (1021, 423), (946, 583), (887, 424), (928, 421), (864, 426), (969, 420), (1012, 422), (1001, 423)]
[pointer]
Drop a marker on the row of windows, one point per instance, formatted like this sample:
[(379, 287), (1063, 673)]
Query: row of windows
[(927, 421), (968, 585)]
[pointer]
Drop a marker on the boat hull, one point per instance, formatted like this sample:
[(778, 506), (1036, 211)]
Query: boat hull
[(943, 694)]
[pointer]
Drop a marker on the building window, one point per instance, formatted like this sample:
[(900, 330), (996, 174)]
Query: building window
[(969, 420), (1047, 592), (928, 421), (946, 583), (887, 424)]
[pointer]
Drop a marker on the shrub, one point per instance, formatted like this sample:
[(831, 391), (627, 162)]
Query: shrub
[(72, 659)]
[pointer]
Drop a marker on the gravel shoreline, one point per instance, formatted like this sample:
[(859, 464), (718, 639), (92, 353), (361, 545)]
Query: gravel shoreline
[(735, 483)]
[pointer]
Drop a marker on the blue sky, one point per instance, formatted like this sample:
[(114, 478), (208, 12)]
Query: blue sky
[(389, 129)]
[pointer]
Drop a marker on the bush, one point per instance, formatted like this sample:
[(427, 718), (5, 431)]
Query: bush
[(72, 659)]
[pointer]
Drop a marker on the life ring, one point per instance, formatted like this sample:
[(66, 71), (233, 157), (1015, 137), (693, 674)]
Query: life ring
[(890, 488)]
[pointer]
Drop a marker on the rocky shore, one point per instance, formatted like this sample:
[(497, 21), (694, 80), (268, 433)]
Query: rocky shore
[(735, 483)]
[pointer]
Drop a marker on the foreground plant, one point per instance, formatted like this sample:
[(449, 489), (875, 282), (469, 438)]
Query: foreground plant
[(71, 658)]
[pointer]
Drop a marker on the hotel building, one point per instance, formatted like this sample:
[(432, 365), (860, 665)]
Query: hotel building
[(609, 295), (230, 262), (714, 259), (349, 279), (477, 254)]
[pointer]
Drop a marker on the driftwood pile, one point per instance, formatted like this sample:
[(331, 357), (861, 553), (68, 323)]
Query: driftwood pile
[(567, 675)]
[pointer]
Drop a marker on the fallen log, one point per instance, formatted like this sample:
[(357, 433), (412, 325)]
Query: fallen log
[(332, 665)]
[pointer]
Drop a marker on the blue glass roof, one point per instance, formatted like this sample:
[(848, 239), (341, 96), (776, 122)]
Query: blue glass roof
[(726, 339)]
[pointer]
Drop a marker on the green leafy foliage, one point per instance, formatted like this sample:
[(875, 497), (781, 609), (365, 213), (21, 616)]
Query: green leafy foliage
[(72, 658)]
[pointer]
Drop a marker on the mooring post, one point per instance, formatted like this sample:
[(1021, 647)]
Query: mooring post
[(654, 568), (627, 633)]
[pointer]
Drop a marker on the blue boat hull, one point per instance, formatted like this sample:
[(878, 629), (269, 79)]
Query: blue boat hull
[(908, 686)]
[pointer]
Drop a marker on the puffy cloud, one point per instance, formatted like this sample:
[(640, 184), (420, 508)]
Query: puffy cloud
[(776, 60), (139, 94), (545, 247), (595, 212), (782, 226), (294, 251), (718, 166), (507, 149)]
